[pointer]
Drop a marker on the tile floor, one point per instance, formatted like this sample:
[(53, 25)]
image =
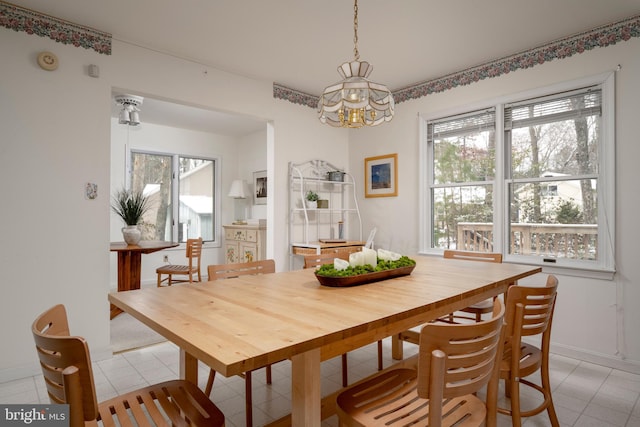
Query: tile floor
[(585, 394)]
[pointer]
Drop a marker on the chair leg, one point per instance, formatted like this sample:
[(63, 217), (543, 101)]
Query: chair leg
[(546, 385), (507, 387), (380, 355), (345, 380), (248, 399), (397, 348), (209, 387), (516, 419), (268, 372)]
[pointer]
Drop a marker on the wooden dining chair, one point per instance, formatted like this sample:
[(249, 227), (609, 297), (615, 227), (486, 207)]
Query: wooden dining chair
[(529, 313), (483, 307), (228, 271), (316, 260), (455, 361), (194, 253), (477, 310), (66, 366)]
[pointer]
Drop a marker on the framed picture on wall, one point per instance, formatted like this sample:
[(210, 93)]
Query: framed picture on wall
[(381, 176), (260, 188)]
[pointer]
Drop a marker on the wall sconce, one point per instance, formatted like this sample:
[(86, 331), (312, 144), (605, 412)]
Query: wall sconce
[(239, 195)]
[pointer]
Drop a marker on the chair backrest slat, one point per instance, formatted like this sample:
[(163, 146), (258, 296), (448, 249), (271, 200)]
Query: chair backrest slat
[(315, 260), (468, 353), (66, 364), (227, 271), (537, 303), (194, 251), (473, 256)]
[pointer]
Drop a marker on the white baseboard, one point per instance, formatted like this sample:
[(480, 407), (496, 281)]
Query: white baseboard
[(31, 369), (614, 362)]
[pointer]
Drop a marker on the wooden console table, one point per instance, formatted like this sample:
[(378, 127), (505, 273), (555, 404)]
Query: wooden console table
[(348, 246), (130, 263)]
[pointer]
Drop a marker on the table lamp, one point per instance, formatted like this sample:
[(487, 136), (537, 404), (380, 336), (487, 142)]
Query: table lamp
[(239, 195)]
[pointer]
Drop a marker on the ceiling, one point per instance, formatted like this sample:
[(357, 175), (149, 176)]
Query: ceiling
[(169, 113), (300, 43)]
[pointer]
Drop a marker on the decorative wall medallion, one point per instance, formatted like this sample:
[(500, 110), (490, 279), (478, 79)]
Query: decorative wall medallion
[(48, 61), (91, 190)]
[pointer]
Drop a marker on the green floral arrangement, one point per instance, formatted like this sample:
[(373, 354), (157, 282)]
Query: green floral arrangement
[(329, 270)]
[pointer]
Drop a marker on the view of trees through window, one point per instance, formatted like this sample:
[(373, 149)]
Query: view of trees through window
[(463, 175), (551, 175), (152, 174)]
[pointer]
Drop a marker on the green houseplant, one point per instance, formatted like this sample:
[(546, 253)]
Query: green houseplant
[(130, 205), (312, 199)]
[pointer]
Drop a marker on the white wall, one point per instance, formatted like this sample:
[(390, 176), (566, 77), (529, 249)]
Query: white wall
[(56, 137), (252, 157), (595, 319)]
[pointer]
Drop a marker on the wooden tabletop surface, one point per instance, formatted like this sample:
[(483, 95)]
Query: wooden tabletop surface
[(144, 246), (245, 323)]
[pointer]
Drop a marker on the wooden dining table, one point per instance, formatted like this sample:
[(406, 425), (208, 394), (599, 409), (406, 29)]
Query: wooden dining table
[(130, 263), (245, 323)]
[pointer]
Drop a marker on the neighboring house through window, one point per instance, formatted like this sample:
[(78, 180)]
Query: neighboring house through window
[(530, 176), (189, 181)]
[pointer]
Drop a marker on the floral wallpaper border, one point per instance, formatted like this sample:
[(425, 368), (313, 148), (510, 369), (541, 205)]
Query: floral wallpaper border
[(605, 35), (21, 19), (294, 96)]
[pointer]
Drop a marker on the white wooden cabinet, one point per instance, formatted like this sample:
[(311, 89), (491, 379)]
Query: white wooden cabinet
[(244, 243)]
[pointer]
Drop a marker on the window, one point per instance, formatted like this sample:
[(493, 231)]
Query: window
[(554, 143), (193, 188), (461, 180), (536, 186)]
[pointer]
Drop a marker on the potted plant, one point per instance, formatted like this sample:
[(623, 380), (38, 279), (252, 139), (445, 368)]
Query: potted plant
[(312, 199), (130, 205)]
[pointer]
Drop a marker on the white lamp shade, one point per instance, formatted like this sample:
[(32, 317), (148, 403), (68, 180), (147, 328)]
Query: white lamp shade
[(237, 189), (134, 118)]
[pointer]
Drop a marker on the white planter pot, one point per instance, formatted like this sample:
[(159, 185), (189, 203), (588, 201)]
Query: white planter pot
[(131, 234), (312, 204)]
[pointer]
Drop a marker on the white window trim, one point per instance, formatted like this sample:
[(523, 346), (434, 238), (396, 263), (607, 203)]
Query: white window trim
[(217, 188), (605, 267)]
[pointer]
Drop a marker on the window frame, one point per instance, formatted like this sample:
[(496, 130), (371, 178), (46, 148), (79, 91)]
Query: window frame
[(606, 181), (175, 189)]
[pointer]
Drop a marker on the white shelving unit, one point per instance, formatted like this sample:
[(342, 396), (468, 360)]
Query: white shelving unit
[(317, 229)]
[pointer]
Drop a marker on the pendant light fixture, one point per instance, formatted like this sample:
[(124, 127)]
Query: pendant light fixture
[(355, 101)]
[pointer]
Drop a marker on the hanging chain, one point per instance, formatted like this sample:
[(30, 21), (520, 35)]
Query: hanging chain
[(355, 30)]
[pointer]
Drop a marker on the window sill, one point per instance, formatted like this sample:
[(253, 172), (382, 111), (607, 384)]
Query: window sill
[(574, 271)]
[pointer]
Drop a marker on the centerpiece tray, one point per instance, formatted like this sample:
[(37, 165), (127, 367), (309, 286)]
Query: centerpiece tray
[(362, 279)]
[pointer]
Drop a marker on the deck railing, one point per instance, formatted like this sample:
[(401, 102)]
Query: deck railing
[(573, 241)]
